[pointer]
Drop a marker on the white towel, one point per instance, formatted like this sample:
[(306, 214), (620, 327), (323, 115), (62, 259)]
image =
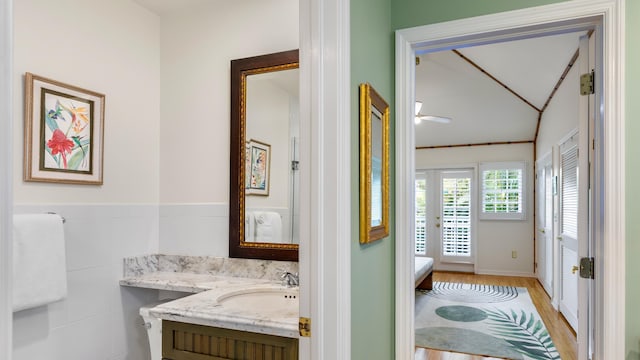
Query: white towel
[(268, 227), (39, 262), (249, 226)]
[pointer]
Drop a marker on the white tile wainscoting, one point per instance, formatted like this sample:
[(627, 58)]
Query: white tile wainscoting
[(99, 319)]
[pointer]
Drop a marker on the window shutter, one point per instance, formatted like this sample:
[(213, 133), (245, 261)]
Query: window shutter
[(421, 217), (456, 217), (502, 195), (569, 169)]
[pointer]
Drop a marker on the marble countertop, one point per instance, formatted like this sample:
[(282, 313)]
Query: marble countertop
[(187, 282), (203, 308)]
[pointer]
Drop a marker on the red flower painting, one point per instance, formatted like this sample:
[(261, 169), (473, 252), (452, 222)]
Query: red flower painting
[(60, 144)]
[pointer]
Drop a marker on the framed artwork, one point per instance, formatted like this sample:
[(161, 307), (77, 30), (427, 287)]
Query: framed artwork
[(63, 137), (257, 168), (374, 165)]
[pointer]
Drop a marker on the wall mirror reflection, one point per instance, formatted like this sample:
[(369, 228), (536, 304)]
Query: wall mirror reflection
[(264, 164)]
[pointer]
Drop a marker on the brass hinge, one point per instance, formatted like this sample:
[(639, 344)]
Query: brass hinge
[(304, 326), (587, 83), (587, 268)]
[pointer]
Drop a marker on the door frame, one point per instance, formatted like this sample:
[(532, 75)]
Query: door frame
[(6, 189), (325, 227), (555, 18)]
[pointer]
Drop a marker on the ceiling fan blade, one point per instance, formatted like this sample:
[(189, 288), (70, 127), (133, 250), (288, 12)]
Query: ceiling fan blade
[(434, 118)]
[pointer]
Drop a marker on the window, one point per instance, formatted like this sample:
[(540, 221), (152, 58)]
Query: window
[(503, 191)]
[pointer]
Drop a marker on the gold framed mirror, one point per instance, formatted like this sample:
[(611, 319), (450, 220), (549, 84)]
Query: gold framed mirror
[(264, 176), (374, 165)]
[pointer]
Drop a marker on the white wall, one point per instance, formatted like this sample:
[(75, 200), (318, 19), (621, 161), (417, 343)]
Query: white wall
[(495, 239), (197, 46), (112, 47), (559, 120), (561, 116)]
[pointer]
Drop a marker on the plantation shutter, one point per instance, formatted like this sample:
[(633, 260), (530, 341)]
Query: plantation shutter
[(502, 190), (569, 172), (456, 216), (421, 217)]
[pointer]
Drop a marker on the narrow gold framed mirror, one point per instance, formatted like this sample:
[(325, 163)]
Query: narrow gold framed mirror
[(374, 165), (264, 175)]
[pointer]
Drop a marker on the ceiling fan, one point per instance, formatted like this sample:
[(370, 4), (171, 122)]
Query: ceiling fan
[(434, 118)]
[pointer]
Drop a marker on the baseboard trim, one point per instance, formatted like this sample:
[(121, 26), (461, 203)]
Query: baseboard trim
[(506, 273)]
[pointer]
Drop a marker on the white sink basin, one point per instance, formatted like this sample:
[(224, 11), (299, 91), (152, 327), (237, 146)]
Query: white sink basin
[(276, 301)]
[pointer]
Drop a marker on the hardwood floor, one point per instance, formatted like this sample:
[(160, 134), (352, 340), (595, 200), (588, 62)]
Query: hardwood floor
[(561, 333)]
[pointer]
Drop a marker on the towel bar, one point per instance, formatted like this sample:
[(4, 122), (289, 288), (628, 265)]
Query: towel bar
[(61, 217)]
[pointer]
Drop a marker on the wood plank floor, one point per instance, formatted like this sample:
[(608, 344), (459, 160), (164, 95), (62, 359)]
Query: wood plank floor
[(561, 333)]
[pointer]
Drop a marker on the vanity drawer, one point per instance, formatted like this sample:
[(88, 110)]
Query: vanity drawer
[(182, 341)]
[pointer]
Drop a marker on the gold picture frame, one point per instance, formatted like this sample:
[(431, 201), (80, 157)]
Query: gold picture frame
[(374, 165)]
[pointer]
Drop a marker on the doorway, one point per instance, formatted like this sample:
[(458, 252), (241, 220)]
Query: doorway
[(600, 15)]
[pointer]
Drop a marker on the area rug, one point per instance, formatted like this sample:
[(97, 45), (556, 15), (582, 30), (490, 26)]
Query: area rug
[(488, 320)]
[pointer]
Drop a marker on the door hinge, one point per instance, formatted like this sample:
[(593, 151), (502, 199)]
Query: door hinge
[(587, 83), (586, 268), (304, 326)]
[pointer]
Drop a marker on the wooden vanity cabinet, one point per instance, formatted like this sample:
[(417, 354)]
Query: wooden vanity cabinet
[(182, 341)]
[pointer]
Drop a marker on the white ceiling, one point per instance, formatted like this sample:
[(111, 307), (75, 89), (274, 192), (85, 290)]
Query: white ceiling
[(481, 109), (161, 7)]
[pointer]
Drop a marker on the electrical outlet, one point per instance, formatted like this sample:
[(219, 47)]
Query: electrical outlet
[(514, 254)]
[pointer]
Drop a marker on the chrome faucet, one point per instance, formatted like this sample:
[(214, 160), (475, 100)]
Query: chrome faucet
[(290, 279)]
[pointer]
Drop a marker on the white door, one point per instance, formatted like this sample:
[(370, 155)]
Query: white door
[(576, 210), (444, 218), (544, 223), (569, 188), (588, 214)]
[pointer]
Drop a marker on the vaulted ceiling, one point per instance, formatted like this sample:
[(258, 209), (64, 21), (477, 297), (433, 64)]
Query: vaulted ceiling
[(451, 84)]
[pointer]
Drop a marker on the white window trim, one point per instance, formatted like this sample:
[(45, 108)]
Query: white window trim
[(503, 165)]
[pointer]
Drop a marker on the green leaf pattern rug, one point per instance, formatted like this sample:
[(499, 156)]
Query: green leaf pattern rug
[(489, 320)]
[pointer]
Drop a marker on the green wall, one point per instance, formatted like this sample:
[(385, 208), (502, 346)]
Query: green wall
[(410, 13), (373, 265)]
